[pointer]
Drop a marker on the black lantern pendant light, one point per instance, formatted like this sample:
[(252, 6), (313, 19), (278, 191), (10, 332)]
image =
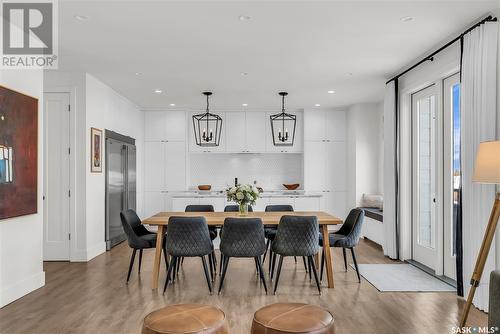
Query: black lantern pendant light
[(207, 127), (283, 125)]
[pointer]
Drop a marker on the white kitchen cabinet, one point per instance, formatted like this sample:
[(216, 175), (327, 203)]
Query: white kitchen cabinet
[(207, 149), (320, 125), (180, 203), (335, 203), (217, 202), (164, 126), (154, 166), (282, 201), (298, 141), (236, 132), (315, 166), (175, 166), (154, 202), (336, 165), (373, 230), (165, 166), (307, 204), (255, 131)]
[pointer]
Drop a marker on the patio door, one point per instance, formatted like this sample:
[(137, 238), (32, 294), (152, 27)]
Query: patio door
[(425, 176)]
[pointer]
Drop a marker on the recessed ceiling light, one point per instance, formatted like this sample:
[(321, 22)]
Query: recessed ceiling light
[(172, 104), (406, 19), (158, 91), (244, 17), (138, 73), (317, 105), (331, 92), (244, 104), (81, 17), (244, 73)]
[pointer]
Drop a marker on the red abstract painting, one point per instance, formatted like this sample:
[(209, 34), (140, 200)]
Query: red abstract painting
[(18, 154)]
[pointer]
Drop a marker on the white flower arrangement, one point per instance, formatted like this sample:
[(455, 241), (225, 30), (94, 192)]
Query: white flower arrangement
[(243, 194)]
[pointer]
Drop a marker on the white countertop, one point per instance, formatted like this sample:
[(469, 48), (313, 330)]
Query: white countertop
[(265, 194)]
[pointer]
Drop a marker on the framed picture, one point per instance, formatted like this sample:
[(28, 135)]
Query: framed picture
[(95, 150), (18, 154)]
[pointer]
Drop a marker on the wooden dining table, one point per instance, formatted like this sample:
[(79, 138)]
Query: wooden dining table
[(217, 219)]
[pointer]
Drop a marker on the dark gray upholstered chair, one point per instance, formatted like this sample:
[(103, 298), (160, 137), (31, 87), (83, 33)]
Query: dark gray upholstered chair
[(242, 237), (494, 308), (236, 208), (138, 237), (346, 237), (296, 236), (212, 230), (188, 237)]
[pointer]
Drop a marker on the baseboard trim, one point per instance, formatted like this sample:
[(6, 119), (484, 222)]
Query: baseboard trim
[(21, 288)]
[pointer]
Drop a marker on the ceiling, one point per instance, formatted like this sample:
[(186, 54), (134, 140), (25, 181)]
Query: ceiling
[(306, 48)]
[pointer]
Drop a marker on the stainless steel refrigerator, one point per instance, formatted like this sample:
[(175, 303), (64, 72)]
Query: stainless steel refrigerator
[(120, 184)]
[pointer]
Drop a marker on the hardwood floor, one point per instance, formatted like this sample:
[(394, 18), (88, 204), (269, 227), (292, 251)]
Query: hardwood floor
[(93, 297)]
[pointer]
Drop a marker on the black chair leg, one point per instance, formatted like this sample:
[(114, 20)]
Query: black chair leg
[(211, 266), (313, 267), (268, 243), (174, 269), (270, 258), (166, 257), (214, 259), (305, 265), (345, 259), (205, 269), (295, 258), (256, 267), (261, 272), (271, 274), (355, 264), (140, 260), (131, 264), (309, 267), (224, 270), (322, 264), (178, 265), (280, 263), (169, 272)]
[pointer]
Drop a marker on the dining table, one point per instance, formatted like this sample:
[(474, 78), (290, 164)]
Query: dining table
[(217, 219)]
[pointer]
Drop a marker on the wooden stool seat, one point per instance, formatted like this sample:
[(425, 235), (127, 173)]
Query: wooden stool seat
[(294, 318), (185, 318)]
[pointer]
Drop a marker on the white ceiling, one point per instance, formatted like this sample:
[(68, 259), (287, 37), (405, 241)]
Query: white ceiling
[(303, 47)]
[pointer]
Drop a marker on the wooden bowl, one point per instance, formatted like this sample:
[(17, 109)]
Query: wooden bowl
[(291, 186), (204, 187)]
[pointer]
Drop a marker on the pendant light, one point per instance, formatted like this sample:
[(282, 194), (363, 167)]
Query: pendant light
[(207, 127), (283, 125)]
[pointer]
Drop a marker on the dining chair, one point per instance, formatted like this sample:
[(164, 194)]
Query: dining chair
[(188, 237), (346, 237), (212, 230), (138, 237), (236, 208), (270, 232), (296, 236), (242, 238)]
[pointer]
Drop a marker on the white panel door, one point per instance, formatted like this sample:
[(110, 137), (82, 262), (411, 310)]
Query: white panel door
[(314, 125), (56, 241), (154, 166), (235, 132), (336, 166), (314, 165), (154, 125), (335, 126), (256, 131), (175, 126), (174, 169)]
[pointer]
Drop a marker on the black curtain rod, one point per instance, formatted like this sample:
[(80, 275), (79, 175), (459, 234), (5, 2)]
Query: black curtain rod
[(431, 56)]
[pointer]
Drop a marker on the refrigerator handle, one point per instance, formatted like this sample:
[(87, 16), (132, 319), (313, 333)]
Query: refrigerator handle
[(124, 176)]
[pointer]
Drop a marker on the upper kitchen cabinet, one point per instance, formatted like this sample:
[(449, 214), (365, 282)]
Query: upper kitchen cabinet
[(299, 135), (165, 166), (246, 132), (207, 149), (320, 125), (164, 126)]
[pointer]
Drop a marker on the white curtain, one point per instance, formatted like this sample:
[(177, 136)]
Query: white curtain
[(390, 141), (478, 122)]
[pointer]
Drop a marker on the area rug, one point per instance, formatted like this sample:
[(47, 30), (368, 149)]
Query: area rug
[(402, 278)]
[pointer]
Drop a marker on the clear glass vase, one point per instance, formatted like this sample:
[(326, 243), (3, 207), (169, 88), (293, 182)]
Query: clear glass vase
[(243, 209)]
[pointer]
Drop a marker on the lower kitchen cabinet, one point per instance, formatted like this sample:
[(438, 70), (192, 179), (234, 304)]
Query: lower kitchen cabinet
[(180, 203)]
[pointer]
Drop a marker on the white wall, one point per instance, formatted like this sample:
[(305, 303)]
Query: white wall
[(106, 109), (364, 142), (21, 238), (269, 170)]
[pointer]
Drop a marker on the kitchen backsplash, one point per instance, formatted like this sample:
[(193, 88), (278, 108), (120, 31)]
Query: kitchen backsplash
[(269, 170)]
